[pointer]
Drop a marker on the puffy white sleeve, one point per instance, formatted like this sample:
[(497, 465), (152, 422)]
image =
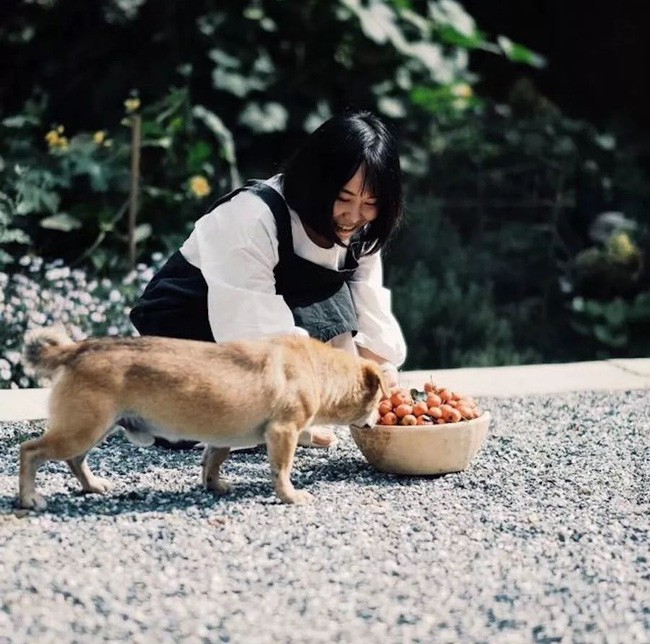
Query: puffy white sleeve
[(236, 248), (379, 330)]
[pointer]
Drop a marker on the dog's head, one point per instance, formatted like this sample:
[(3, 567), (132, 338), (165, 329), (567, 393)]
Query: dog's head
[(372, 388)]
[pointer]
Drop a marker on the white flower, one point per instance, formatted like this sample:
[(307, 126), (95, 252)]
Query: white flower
[(52, 274), (38, 318), (115, 295), (13, 356)]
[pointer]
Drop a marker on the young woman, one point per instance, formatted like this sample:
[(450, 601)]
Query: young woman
[(297, 253)]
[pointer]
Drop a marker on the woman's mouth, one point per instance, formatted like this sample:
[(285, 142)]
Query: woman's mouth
[(345, 230)]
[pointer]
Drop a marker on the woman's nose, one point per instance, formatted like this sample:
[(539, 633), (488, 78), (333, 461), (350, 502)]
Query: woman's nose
[(354, 213)]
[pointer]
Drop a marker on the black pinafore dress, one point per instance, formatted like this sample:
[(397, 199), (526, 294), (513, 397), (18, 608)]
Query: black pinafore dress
[(174, 303)]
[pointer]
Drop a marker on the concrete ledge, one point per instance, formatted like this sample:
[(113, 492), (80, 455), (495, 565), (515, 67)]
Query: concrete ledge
[(525, 380), (23, 404)]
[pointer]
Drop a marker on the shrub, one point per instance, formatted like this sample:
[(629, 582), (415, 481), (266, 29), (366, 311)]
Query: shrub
[(443, 300), (67, 194), (49, 293)]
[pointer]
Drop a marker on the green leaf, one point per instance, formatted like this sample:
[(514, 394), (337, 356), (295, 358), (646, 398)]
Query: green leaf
[(377, 21), (142, 232), (520, 54), (610, 338), (197, 155), (452, 36), (616, 312), (164, 142), (20, 120), (418, 396), (62, 221), (594, 309), (640, 308), (34, 198), (220, 131), (582, 329)]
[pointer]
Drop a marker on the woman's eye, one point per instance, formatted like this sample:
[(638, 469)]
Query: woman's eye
[(344, 200)]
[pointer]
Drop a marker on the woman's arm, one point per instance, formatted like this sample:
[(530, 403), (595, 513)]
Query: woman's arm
[(236, 249), (380, 337)]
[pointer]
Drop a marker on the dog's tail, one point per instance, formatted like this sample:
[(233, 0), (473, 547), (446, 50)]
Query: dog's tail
[(46, 349)]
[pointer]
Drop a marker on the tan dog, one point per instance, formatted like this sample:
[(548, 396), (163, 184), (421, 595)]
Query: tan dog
[(225, 395)]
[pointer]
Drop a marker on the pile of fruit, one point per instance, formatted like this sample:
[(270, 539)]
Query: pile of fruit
[(432, 406)]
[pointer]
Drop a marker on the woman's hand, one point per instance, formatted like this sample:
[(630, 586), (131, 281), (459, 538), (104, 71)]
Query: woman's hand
[(391, 374)]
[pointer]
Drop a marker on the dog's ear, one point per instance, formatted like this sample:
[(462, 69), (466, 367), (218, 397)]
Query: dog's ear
[(375, 379)]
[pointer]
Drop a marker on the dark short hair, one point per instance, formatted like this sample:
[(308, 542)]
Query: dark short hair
[(330, 156)]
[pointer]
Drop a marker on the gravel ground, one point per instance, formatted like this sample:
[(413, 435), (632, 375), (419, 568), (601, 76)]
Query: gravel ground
[(544, 539)]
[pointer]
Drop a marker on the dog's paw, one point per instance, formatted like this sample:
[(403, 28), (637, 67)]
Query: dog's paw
[(299, 497), (218, 487), (97, 486), (33, 501), (323, 437)]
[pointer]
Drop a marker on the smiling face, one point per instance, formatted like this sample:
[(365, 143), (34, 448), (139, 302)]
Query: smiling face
[(354, 208)]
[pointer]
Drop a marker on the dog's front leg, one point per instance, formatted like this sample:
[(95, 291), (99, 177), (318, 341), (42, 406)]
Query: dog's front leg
[(281, 442), (211, 462)]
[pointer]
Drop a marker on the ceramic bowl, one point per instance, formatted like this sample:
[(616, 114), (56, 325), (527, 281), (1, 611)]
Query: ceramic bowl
[(422, 449)]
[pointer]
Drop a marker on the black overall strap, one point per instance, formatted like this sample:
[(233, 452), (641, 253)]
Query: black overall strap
[(278, 206)]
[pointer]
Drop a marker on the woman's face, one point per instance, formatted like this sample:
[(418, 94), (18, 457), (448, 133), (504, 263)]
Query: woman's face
[(353, 208)]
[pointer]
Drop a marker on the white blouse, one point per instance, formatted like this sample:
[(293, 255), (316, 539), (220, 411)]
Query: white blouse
[(236, 248)]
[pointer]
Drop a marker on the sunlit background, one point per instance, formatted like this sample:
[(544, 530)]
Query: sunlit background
[(521, 130)]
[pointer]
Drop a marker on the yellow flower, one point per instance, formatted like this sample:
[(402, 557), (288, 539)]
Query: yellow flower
[(99, 137), (132, 104), (199, 186), (462, 90), (55, 140), (622, 247), (52, 138)]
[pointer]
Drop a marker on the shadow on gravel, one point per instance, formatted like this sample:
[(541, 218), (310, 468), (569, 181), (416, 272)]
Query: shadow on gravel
[(144, 499), (139, 501)]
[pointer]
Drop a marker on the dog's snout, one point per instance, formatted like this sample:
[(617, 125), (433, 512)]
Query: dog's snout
[(362, 425)]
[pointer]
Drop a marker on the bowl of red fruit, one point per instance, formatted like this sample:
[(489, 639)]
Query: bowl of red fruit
[(424, 432)]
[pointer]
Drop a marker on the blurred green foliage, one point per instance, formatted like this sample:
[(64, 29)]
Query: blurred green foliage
[(497, 262)]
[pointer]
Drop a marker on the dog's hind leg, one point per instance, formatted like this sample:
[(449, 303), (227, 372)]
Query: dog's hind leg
[(211, 461), (74, 429), (281, 443), (31, 459), (89, 482)]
